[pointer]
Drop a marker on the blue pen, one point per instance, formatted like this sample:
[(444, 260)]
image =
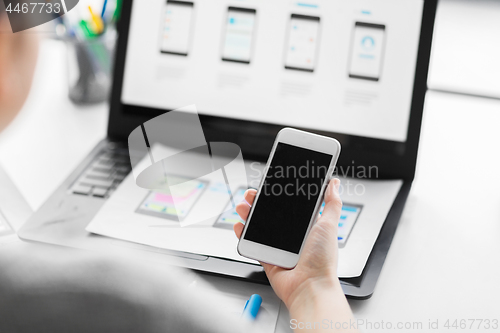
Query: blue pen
[(252, 307), (104, 8)]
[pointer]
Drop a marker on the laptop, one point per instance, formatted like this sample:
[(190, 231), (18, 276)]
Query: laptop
[(355, 71)]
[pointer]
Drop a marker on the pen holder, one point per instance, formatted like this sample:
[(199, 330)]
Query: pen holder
[(89, 68)]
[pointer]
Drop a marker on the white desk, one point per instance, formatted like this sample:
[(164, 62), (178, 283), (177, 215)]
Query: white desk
[(465, 48), (443, 263)]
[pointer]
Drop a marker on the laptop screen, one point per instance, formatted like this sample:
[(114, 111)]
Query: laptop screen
[(337, 66)]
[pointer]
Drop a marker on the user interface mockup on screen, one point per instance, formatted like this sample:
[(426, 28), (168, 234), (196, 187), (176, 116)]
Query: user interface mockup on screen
[(339, 66), (176, 27)]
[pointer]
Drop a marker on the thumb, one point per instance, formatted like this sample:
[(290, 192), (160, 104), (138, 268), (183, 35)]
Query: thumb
[(333, 203)]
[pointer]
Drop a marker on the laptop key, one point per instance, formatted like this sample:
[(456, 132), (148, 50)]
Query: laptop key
[(122, 169), (102, 177), (99, 173), (107, 157), (122, 173), (97, 182), (99, 192), (119, 177), (82, 189), (97, 176), (104, 163), (102, 170), (121, 158)]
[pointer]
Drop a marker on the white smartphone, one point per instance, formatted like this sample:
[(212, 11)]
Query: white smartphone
[(289, 197)]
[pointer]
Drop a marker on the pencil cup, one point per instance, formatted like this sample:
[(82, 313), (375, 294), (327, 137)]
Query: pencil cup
[(89, 68)]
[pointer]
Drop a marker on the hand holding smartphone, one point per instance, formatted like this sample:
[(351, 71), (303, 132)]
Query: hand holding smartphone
[(289, 197)]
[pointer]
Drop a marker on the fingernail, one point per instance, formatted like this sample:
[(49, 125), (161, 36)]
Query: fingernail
[(337, 184), (331, 189)]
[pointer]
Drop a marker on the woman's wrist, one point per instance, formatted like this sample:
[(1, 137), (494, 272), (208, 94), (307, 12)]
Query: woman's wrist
[(311, 293), (321, 305)]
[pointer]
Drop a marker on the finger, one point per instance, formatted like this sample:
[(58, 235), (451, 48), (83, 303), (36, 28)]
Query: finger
[(267, 268), (243, 209), (250, 196), (333, 203), (238, 229)]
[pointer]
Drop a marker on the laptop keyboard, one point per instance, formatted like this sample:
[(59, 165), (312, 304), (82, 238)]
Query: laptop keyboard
[(103, 175)]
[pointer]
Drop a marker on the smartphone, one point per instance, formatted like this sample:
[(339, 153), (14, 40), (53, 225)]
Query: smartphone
[(239, 35), (367, 51), (303, 35), (175, 35), (289, 197)]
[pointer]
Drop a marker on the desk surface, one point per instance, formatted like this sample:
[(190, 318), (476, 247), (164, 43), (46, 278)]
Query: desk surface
[(465, 47), (443, 263)]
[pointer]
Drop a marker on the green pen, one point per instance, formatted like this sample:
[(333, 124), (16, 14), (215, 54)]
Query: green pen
[(87, 32)]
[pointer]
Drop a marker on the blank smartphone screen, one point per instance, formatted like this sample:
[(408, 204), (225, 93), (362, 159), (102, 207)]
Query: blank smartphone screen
[(176, 27), (288, 197), (367, 51), (238, 39), (303, 37)]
